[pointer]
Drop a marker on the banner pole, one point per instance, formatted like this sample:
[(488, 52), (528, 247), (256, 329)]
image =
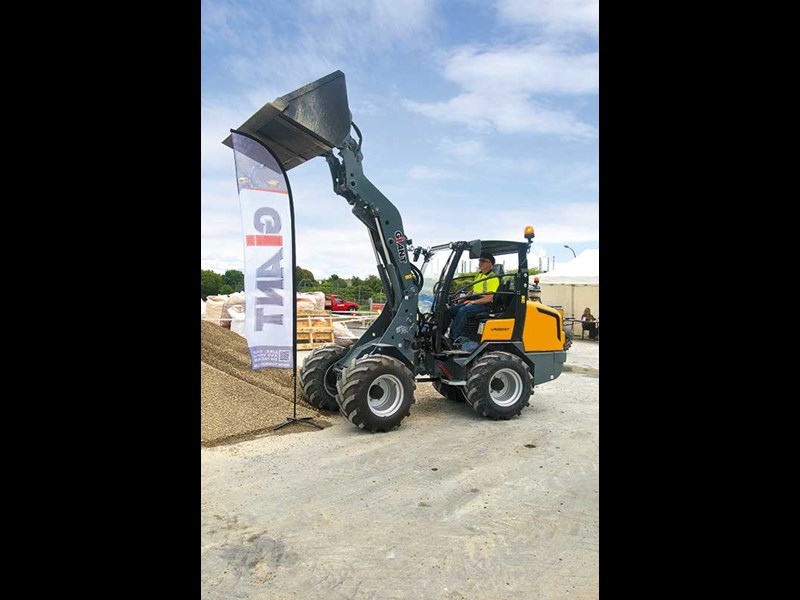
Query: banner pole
[(293, 418)]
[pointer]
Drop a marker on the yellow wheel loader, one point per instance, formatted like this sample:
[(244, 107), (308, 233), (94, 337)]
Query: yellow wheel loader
[(508, 349)]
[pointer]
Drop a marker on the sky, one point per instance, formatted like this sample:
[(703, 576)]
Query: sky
[(478, 118)]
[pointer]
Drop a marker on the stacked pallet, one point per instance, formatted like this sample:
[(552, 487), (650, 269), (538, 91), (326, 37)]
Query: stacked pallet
[(314, 329)]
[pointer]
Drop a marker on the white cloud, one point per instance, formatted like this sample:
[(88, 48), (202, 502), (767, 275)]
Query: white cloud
[(425, 172), (472, 154), (462, 149), (215, 22), (557, 16), (508, 114), (307, 39), (216, 121), (342, 245), (499, 88), (531, 68), (500, 85)]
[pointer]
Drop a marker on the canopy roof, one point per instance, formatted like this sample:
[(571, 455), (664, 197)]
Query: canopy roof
[(583, 269)]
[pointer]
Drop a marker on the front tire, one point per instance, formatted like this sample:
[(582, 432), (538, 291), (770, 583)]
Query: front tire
[(317, 380), (376, 392), (498, 386)]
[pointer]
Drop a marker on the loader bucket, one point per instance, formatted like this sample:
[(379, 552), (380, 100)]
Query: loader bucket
[(303, 124)]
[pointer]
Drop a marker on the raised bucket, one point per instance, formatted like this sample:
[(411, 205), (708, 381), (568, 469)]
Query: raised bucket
[(303, 124)]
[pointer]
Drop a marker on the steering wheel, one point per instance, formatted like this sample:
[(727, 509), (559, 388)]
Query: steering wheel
[(452, 298)]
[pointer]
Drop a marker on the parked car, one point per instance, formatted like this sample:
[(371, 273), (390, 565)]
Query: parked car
[(338, 304)]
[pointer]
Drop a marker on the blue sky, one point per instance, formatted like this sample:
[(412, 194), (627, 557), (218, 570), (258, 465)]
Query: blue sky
[(478, 117)]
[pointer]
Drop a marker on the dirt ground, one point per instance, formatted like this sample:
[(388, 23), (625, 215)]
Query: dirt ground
[(449, 506)]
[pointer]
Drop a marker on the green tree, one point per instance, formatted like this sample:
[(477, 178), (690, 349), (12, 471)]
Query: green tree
[(301, 274), (234, 279), (210, 283), (374, 284), (225, 289)]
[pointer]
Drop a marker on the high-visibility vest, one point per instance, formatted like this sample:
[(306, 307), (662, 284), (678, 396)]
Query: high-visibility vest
[(481, 286)]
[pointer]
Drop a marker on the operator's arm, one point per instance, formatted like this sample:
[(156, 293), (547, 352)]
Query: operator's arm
[(485, 299)]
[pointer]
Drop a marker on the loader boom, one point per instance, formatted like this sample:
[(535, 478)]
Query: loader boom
[(315, 120), (396, 325)]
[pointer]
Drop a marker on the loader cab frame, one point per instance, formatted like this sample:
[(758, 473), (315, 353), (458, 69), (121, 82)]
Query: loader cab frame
[(509, 301)]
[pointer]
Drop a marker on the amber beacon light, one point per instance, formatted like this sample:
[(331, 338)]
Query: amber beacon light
[(529, 233)]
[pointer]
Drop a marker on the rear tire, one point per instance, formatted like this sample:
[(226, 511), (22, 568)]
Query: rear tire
[(315, 374), (499, 385), (376, 392), (451, 392)]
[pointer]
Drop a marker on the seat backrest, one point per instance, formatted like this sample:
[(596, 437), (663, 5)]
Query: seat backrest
[(501, 301)]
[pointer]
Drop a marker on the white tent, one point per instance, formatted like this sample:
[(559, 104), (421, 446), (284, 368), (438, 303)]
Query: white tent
[(573, 285), (583, 269)]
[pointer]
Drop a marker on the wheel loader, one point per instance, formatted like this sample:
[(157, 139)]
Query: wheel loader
[(513, 346)]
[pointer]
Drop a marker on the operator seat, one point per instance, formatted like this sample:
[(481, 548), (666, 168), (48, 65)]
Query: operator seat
[(499, 305)]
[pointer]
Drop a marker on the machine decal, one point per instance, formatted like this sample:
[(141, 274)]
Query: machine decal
[(399, 238)]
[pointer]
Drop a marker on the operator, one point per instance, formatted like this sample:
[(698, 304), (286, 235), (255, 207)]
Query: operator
[(467, 305)]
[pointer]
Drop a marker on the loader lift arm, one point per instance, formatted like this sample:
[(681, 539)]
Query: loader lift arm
[(396, 326), (315, 120)]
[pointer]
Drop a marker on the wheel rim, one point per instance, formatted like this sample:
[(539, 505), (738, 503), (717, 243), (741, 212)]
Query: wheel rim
[(505, 387), (385, 395), (330, 382)]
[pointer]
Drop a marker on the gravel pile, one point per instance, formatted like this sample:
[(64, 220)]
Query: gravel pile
[(238, 403)]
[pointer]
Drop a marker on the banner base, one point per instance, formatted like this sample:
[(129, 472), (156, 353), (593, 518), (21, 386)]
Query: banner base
[(303, 420)]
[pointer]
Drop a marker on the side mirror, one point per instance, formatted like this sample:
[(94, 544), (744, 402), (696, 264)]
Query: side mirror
[(475, 249)]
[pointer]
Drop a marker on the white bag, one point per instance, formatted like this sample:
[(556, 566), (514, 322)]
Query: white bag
[(215, 309), (237, 319)]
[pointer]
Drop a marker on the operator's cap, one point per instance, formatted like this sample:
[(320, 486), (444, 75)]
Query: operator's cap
[(488, 256)]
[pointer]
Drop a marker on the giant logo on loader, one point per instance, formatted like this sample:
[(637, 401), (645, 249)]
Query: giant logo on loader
[(399, 238)]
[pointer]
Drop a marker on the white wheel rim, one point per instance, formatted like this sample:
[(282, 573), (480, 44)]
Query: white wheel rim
[(505, 387), (385, 395)]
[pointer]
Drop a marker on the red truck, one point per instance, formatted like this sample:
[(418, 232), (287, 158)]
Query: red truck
[(338, 304)]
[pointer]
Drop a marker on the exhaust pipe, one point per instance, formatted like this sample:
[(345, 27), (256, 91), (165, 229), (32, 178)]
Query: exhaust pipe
[(303, 124)]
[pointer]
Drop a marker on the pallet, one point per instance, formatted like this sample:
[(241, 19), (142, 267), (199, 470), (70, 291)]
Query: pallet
[(312, 313), (312, 346), (314, 329)]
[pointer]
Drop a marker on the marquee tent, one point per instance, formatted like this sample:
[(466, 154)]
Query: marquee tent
[(573, 285), (583, 269)]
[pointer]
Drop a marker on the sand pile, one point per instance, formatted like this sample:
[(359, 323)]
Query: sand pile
[(237, 402)]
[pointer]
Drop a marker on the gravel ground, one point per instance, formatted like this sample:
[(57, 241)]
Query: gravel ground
[(237, 403), (450, 506)]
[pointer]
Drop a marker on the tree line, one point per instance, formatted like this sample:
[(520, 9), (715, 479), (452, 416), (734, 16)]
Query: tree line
[(355, 289)]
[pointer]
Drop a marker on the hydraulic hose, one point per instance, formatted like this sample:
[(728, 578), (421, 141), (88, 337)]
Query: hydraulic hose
[(360, 137), (419, 279)]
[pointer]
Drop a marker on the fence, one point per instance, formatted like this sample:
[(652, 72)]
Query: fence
[(359, 294)]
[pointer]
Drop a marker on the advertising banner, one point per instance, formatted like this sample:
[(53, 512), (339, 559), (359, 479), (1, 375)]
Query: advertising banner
[(267, 232)]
